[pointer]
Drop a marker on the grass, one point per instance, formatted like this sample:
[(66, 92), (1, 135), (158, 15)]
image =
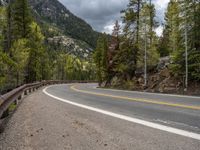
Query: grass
[(12, 107)]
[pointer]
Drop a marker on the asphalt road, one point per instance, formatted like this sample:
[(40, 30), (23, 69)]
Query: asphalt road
[(181, 114), (82, 116)]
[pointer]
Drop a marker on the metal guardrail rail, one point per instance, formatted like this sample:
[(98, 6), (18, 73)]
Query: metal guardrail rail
[(17, 94)]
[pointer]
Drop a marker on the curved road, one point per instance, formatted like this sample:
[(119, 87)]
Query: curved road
[(86, 117), (175, 111)]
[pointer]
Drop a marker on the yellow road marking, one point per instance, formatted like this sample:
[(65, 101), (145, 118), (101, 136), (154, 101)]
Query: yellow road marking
[(138, 99), (148, 93)]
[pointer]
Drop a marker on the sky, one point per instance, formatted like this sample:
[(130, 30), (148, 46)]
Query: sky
[(102, 14)]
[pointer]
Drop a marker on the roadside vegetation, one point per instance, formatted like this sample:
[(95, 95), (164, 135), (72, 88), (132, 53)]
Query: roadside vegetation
[(121, 60), (25, 55), (32, 51)]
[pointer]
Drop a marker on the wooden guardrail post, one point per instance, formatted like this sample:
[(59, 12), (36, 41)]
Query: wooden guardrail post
[(20, 97), (16, 101), (25, 92), (5, 114)]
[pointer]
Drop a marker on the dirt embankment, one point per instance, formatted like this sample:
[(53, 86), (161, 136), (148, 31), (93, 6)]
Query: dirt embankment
[(165, 82), (160, 82)]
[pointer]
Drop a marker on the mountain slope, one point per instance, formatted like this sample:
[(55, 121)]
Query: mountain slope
[(63, 30), (56, 14), (2, 2)]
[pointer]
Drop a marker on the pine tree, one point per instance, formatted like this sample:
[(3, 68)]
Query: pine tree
[(107, 73), (131, 19), (9, 28), (148, 38), (194, 36), (21, 19), (7, 66), (163, 43), (182, 20), (2, 26), (112, 51), (101, 60), (98, 60), (36, 62), (124, 59), (20, 53), (196, 28), (173, 22), (151, 20)]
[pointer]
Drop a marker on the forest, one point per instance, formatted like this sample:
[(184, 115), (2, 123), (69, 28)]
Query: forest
[(27, 57), (130, 58)]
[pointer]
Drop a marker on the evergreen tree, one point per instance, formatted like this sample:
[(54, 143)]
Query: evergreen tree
[(163, 43), (187, 12), (131, 19), (37, 64), (101, 60), (172, 26), (151, 20), (7, 66), (21, 19), (98, 60), (193, 28), (2, 26), (107, 72), (20, 53), (112, 51), (9, 28), (148, 38), (125, 65)]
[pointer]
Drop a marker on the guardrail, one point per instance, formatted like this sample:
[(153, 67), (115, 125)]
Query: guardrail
[(17, 94)]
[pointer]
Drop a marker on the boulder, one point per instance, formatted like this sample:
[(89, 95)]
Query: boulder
[(154, 85), (140, 81), (164, 73), (115, 81), (155, 78), (169, 89), (161, 88)]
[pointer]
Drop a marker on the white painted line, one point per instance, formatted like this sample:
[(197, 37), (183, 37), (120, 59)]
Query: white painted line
[(130, 119), (148, 93)]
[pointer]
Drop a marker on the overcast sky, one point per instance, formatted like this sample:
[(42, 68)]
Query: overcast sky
[(101, 14)]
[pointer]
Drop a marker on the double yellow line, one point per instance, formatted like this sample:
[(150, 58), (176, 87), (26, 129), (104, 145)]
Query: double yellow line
[(138, 99)]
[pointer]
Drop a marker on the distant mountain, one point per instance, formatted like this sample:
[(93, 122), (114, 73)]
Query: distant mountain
[(56, 14), (3, 2), (62, 29)]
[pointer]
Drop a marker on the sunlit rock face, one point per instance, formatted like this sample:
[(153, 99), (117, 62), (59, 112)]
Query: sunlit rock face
[(62, 29), (3, 2), (50, 8), (56, 14)]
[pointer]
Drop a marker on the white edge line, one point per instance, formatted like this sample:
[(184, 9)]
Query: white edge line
[(171, 95), (130, 119)]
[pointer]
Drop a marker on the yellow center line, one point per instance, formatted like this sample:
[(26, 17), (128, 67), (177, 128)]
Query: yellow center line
[(138, 99)]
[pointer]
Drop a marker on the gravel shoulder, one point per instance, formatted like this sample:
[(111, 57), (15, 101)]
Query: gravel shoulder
[(43, 123)]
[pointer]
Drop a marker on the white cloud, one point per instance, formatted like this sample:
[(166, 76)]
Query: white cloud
[(98, 13), (159, 30), (110, 26), (108, 29), (161, 4), (101, 14)]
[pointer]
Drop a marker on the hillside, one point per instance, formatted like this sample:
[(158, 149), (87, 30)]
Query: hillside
[(62, 29), (40, 43), (2, 2), (55, 14)]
